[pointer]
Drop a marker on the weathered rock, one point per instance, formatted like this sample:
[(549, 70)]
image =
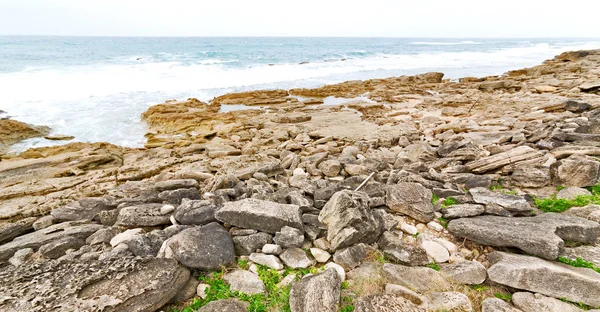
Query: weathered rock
[(393, 289), (590, 212), (296, 258), (513, 204), (548, 278), (174, 197), (419, 279), (118, 284), (124, 236), (244, 281), (349, 220), (449, 301), (267, 260), (57, 248), (542, 235), (170, 185), (206, 248), (496, 161), (531, 176), (43, 222), (187, 292), (586, 252), (229, 305), (289, 237), (396, 250), (411, 199), (316, 293), (320, 255), (386, 303), (142, 215), (462, 211), (272, 249), (10, 230), (196, 212), (464, 272), (146, 244), (529, 302), (86, 208), (572, 193), (350, 257), (36, 239), (434, 250), (497, 305), (260, 215), (20, 256), (330, 168), (576, 170), (245, 245)]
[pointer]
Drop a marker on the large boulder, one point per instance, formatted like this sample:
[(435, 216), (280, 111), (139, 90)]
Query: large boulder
[(548, 278), (576, 170), (205, 248), (316, 293), (142, 215), (260, 215), (117, 284), (349, 220), (196, 212), (411, 199), (542, 236)]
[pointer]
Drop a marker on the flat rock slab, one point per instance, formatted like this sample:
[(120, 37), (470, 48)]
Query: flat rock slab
[(142, 215), (10, 230), (419, 279), (548, 278), (496, 161), (495, 201), (260, 215), (542, 236), (119, 284)]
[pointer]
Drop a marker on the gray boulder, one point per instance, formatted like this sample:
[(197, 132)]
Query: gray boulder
[(462, 211), (542, 235), (316, 293), (499, 203), (497, 305), (576, 170), (572, 192), (170, 185), (267, 260), (289, 237), (196, 212), (590, 212), (142, 215), (586, 252), (449, 301), (205, 248), (229, 305), (399, 252), (147, 244), (464, 272), (411, 199), (244, 281), (386, 303), (260, 215), (548, 278), (296, 258), (350, 257), (419, 279), (118, 284), (103, 236), (529, 302), (85, 208), (349, 220), (175, 197), (57, 248), (245, 245), (10, 230)]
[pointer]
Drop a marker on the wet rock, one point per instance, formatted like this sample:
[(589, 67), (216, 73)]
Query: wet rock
[(385, 303), (245, 282), (260, 215), (542, 235), (449, 301), (10, 230), (142, 215), (296, 258), (419, 279), (464, 272), (119, 284), (400, 252), (266, 260), (411, 199), (245, 245), (349, 220), (548, 278), (196, 212), (497, 305), (494, 201), (314, 293), (572, 193), (462, 211), (576, 170), (529, 302), (289, 237), (350, 257), (205, 248), (229, 305)]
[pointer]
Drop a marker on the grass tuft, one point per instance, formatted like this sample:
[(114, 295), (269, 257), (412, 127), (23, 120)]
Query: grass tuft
[(434, 266), (434, 199), (580, 263), (443, 221), (449, 202), (505, 297)]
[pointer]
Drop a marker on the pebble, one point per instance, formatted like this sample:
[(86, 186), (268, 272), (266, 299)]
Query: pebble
[(408, 229)]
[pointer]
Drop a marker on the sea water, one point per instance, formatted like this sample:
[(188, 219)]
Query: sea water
[(96, 88)]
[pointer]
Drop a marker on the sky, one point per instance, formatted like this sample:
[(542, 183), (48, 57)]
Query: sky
[(348, 18)]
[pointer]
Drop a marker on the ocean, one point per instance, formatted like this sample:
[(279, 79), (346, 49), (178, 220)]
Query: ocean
[(95, 88)]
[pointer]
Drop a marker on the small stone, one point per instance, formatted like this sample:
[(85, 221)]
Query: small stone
[(572, 192), (201, 290), (435, 226), (322, 243), (408, 229), (272, 249), (320, 255), (244, 281), (295, 258), (166, 209), (289, 237), (338, 268), (267, 260), (286, 281), (125, 236), (437, 252), (350, 257)]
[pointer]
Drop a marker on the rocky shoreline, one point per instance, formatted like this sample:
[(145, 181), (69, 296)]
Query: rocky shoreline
[(411, 193)]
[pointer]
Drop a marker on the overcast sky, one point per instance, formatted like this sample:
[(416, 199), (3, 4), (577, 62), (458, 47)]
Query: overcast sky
[(389, 18)]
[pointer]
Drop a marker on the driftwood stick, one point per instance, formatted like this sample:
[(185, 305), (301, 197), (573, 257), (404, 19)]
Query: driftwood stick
[(364, 182)]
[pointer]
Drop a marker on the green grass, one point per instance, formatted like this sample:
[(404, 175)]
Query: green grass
[(346, 305), (243, 264), (553, 204), (434, 199), (434, 266), (580, 263), (345, 285), (443, 221), (505, 297), (560, 188), (449, 202), (580, 305), (479, 288)]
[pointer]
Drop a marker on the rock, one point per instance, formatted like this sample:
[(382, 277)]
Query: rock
[(289, 237), (20, 256), (10, 230), (587, 253), (142, 215), (201, 290), (386, 303), (449, 301), (462, 211), (35, 240), (229, 305), (272, 249), (350, 257), (590, 86), (330, 168), (577, 107), (205, 248), (529, 302), (542, 235), (320, 255), (437, 252), (393, 289), (316, 293), (296, 258), (86, 208), (43, 222), (419, 279), (338, 268), (399, 252), (496, 161), (349, 220), (464, 272), (531, 176), (497, 305), (122, 237), (408, 229), (435, 226), (411, 199), (118, 284), (576, 170), (13, 131), (175, 197), (590, 212), (57, 248), (260, 215), (196, 212), (147, 244), (548, 278), (176, 184), (245, 245), (187, 292), (572, 193), (266, 260), (217, 150), (514, 204), (245, 282)]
